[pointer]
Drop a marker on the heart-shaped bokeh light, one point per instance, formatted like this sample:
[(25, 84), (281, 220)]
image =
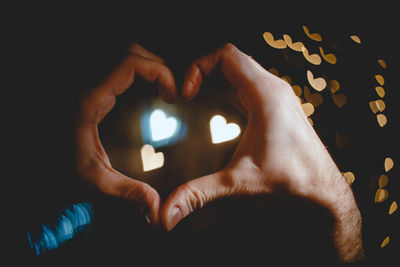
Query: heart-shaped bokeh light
[(161, 126), (222, 131)]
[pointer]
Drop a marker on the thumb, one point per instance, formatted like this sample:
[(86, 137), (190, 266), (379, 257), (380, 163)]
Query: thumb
[(115, 184), (194, 195)]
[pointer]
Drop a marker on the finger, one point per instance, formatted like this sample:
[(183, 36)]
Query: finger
[(141, 51), (100, 100), (193, 195), (112, 183), (152, 71), (240, 70)]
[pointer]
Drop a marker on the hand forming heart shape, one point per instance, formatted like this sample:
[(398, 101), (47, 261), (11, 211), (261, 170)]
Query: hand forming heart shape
[(279, 150)]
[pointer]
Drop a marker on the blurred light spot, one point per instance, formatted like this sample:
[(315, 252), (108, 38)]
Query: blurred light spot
[(294, 46), (297, 90), (339, 99), (313, 59), (380, 91), (330, 58), (383, 181), (221, 131), (313, 36), (315, 99), (382, 63), (158, 129), (381, 195), (349, 176), (393, 207), (382, 120), (150, 159), (68, 224), (356, 39), (269, 39), (318, 84), (161, 126), (333, 86), (308, 109), (388, 164), (379, 78), (385, 242)]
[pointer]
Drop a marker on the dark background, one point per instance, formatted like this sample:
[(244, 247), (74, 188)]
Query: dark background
[(54, 52)]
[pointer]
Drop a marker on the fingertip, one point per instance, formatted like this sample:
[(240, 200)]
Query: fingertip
[(188, 91), (174, 216), (192, 82)]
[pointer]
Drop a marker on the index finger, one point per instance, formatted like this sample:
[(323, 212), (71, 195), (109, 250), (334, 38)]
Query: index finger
[(239, 69)]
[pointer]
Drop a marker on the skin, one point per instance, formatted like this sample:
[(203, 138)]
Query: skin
[(278, 150)]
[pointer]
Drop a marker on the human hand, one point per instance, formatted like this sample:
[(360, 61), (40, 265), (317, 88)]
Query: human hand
[(91, 161), (279, 151)]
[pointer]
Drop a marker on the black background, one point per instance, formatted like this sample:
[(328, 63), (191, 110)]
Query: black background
[(54, 52)]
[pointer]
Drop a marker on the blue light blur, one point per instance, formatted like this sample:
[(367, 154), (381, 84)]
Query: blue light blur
[(71, 221), (148, 134)]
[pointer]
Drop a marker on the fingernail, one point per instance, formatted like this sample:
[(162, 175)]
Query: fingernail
[(174, 216)]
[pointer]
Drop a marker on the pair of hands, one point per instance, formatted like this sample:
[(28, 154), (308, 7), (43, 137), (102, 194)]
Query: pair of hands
[(279, 149)]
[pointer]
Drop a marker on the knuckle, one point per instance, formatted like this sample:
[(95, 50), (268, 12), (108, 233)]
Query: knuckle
[(195, 198), (229, 48)]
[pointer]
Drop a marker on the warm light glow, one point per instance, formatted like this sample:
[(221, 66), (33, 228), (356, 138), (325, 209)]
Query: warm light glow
[(269, 39), (313, 59), (388, 164), (318, 84), (161, 126), (150, 159), (221, 131), (393, 207), (313, 36), (356, 39), (330, 58)]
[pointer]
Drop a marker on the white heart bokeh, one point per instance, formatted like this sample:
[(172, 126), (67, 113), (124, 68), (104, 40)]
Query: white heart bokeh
[(161, 126), (221, 131), (150, 159)]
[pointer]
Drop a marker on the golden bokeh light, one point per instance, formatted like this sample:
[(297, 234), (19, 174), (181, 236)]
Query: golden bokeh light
[(383, 181), (297, 46), (349, 176), (339, 99), (308, 109), (297, 90), (385, 242), (269, 38), (380, 105), (356, 39), (313, 36), (373, 106), (315, 98), (330, 58), (393, 207), (313, 59), (382, 63), (388, 164), (382, 120), (381, 195), (379, 78), (333, 86), (318, 84), (380, 91)]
